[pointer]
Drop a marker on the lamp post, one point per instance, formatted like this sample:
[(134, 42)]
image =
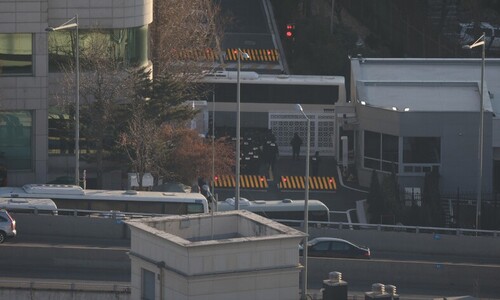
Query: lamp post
[(70, 24), (480, 42), (306, 207), (245, 55)]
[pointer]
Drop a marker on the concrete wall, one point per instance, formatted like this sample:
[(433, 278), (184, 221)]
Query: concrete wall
[(54, 293), (465, 279), (421, 243), (70, 226)]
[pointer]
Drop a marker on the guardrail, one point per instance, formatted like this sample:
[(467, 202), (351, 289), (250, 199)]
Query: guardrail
[(299, 223), (395, 228), (64, 285)]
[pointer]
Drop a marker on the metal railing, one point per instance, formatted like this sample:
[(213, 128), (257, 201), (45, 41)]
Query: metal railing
[(395, 228), (298, 223), (61, 285)]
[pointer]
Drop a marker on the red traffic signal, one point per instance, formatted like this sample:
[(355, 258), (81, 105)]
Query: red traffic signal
[(290, 31)]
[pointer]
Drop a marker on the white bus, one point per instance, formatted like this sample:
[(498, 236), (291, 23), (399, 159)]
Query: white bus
[(26, 205), (280, 209), (74, 197)]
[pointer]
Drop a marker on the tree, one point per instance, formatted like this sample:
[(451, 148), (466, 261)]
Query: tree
[(143, 144), (390, 192), (190, 155), (185, 37), (431, 200), (375, 200), (101, 92)]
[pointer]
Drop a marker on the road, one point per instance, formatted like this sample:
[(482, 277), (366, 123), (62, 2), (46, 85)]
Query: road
[(90, 260)]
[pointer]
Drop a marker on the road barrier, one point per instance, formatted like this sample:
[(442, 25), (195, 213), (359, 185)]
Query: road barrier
[(246, 181), (317, 183)]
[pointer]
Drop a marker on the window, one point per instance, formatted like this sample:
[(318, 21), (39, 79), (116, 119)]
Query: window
[(128, 47), (16, 54), (15, 140), (321, 246), (148, 285), (277, 93), (421, 150), (340, 246), (381, 151)]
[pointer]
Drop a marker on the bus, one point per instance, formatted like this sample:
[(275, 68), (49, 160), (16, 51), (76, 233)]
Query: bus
[(130, 201), (286, 209), (27, 205)]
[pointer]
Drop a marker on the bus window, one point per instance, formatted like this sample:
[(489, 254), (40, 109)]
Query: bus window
[(145, 207), (194, 208)]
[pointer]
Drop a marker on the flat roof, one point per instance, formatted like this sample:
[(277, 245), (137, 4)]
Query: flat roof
[(197, 230), (445, 71), (421, 96)]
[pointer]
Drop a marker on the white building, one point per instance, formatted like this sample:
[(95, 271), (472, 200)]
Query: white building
[(231, 255), (418, 114)]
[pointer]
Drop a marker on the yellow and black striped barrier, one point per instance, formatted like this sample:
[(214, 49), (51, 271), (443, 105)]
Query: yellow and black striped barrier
[(318, 183), (196, 54), (246, 181), (254, 55)]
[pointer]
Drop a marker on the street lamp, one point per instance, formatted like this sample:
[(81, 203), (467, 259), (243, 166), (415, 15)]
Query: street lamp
[(306, 207), (70, 24), (480, 42), (245, 55)]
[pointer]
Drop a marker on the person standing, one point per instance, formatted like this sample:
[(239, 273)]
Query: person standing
[(296, 143), (271, 154)]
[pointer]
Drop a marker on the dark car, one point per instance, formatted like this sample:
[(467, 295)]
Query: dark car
[(335, 247)]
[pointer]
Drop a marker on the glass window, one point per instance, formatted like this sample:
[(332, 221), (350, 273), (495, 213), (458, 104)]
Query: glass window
[(128, 47), (148, 285), (15, 140), (340, 246), (423, 150), (16, 54), (277, 93), (381, 151), (61, 134), (390, 148), (372, 144), (321, 246)]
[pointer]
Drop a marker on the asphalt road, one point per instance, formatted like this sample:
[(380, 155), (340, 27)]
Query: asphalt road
[(52, 258)]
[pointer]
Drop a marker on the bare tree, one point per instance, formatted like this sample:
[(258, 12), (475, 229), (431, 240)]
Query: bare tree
[(184, 43), (101, 92), (143, 145), (185, 37)]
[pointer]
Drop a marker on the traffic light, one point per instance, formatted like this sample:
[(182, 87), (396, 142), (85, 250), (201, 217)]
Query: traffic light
[(290, 31)]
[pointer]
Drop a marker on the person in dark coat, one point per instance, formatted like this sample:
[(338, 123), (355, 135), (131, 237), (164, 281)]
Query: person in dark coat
[(296, 143), (271, 154)]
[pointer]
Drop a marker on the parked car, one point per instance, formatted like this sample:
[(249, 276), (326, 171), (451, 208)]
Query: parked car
[(335, 247), (7, 226)]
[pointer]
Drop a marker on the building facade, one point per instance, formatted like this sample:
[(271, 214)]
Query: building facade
[(416, 115), (29, 76), (227, 255)]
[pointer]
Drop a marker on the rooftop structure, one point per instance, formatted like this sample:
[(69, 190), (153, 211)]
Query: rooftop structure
[(234, 254)]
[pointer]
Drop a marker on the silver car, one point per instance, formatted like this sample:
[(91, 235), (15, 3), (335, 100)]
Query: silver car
[(7, 226)]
